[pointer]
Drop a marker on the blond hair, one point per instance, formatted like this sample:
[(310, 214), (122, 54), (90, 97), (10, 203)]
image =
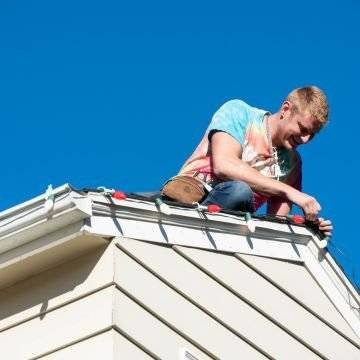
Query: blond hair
[(310, 100)]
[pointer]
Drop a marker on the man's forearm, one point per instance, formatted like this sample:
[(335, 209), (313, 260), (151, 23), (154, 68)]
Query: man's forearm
[(240, 170)]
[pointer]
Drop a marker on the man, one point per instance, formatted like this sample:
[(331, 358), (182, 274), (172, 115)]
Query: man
[(249, 156)]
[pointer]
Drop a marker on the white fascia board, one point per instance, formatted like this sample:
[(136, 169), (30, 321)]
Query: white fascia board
[(133, 209), (30, 220), (329, 265), (141, 220), (348, 306)]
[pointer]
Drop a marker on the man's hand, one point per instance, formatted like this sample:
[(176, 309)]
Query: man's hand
[(325, 226), (308, 203)]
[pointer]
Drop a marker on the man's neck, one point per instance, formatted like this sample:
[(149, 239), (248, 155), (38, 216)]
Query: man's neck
[(273, 123)]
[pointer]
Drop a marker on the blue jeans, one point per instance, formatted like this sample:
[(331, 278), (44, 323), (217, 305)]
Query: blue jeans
[(232, 195)]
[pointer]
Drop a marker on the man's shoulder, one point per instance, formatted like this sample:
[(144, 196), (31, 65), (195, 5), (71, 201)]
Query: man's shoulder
[(240, 107), (231, 112), (236, 104)]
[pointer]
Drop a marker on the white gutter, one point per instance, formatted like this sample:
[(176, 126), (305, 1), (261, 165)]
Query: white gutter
[(34, 218)]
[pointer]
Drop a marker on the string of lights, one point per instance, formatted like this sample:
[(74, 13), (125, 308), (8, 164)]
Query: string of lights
[(165, 206)]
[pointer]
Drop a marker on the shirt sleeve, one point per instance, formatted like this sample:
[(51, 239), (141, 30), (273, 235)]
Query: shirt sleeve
[(232, 118)]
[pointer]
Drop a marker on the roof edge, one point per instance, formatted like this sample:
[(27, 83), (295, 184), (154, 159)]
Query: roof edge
[(41, 215)]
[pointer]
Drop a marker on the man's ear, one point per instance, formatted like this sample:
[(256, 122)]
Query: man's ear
[(285, 108)]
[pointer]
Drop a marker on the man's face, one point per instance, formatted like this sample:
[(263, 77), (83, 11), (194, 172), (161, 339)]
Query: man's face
[(296, 129)]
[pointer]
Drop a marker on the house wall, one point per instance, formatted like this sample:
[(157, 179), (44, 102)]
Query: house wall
[(107, 345), (138, 300), (47, 310), (244, 302)]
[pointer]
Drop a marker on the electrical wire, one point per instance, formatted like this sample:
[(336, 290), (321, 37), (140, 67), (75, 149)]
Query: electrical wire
[(348, 262)]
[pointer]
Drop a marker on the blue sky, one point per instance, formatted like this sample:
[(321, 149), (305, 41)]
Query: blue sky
[(118, 94)]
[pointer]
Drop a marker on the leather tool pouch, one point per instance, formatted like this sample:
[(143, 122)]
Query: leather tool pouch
[(184, 189)]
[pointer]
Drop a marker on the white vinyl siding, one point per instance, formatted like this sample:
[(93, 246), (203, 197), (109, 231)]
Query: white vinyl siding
[(54, 287), (139, 300), (183, 316), (99, 346), (146, 329), (308, 328), (69, 323), (109, 345), (297, 281), (233, 312)]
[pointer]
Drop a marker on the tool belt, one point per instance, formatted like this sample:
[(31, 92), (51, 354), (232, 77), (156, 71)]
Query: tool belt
[(185, 189)]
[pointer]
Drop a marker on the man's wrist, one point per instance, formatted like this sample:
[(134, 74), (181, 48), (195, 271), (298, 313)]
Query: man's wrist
[(291, 193)]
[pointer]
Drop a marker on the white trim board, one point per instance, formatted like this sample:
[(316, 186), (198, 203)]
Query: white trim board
[(31, 220)]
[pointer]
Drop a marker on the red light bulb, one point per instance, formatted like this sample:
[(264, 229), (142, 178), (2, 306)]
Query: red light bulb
[(213, 208), (119, 195), (298, 219)]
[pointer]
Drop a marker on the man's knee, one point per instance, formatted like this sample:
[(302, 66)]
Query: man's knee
[(241, 190), (236, 195)]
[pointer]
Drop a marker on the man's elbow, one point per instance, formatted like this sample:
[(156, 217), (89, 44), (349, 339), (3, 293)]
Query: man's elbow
[(217, 172), (221, 170), (230, 169)]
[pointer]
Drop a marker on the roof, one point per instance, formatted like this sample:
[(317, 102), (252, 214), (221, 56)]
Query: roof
[(266, 288)]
